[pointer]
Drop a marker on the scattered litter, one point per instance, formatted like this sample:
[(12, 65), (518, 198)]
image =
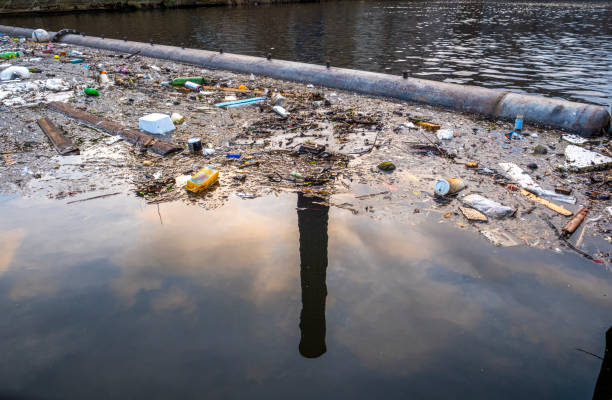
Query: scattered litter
[(473, 215), (40, 35), (280, 111), (427, 125), (63, 145), (540, 149), (545, 203), (203, 179), (489, 207), (91, 92), (526, 182), (195, 145), (575, 222), (574, 139), (240, 103), (563, 190), (14, 72), (445, 134), (112, 140), (386, 166), (448, 186), (597, 195), (177, 118), (500, 238)]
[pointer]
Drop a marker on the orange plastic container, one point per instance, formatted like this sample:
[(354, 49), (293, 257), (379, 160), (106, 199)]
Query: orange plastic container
[(203, 179)]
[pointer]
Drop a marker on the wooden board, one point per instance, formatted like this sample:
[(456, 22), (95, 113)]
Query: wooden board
[(112, 128), (62, 144), (546, 203)]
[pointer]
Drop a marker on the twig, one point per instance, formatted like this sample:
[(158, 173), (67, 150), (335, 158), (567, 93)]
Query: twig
[(133, 54), (433, 143), (158, 213), (361, 153), (365, 196), (95, 197), (564, 240), (589, 353)]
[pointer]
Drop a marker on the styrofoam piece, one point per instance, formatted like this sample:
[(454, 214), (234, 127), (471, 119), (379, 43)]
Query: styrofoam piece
[(158, 124), (445, 134), (575, 139), (579, 159)]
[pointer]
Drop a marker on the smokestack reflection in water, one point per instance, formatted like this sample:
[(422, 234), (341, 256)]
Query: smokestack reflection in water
[(312, 223)]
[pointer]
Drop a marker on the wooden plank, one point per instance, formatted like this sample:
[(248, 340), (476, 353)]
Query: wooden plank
[(546, 203), (62, 144), (112, 128)]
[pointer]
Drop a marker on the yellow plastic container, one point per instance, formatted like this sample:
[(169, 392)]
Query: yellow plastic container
[(203, 179)]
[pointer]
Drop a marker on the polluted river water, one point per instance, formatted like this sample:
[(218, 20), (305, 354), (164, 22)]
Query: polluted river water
[(375, 289), (557, 49), (283, 297)]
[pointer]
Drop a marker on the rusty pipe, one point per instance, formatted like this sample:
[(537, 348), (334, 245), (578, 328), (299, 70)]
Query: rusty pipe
[(583, 119)]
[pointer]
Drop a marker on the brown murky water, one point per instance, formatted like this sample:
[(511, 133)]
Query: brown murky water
[(554, 48), (284, 298)]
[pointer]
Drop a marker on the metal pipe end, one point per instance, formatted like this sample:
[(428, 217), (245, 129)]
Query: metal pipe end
[(405, 74), (327, 65), (151, 42), (183, 46), (221, 50), (269, 57)]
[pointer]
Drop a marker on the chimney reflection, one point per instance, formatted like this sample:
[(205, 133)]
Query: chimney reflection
[(312, 223), (603, 387)]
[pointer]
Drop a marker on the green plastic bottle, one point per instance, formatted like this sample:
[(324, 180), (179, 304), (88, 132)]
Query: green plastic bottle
[(200, 80), (9, 54), (91, 92)]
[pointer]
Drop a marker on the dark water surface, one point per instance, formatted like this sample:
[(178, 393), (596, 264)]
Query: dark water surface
[(557, 49), (286, 299)]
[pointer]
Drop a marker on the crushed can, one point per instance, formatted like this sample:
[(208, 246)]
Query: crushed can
[(193, 86)]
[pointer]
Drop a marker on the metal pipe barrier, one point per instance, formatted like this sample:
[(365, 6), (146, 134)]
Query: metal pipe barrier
[(584, 119)]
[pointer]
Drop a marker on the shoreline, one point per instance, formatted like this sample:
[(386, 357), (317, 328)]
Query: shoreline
[(21, 7)]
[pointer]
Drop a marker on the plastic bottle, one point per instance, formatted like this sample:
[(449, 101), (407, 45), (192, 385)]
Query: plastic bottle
[(280, 111), (518, 123), (200, 80), (9, 54), (91, 92), (104, 78)]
